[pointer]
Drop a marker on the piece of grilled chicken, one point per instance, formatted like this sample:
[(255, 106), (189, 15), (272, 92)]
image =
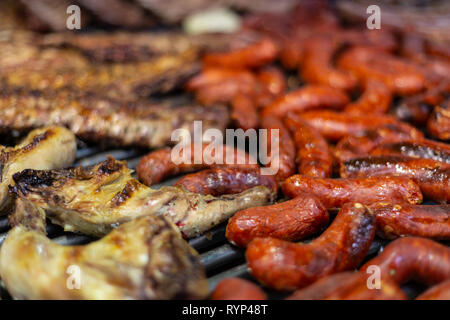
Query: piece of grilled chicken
[(96, 199), (45, 148), (143, 259)]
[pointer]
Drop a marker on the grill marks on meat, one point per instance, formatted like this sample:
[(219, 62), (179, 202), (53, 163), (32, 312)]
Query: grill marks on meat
[(129, 80), (142, 259), (46, 148), (93, 117), (97, 199)]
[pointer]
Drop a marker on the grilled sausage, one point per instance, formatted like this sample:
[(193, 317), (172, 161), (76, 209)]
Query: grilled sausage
[(348, 286), (237, 289), (428, 221), (375, 99), (334, 193), (316, 66), (291, 220), (285, 157), (252, 56), (273, 84), (243, 112), (410, 258), (159, 165), (306, 98), (281, 264), (439, 122), (313, 155), (433, 177), (219, 181), (363, 143), (368, 63), (438, 292), (425, 149), (335, 126)]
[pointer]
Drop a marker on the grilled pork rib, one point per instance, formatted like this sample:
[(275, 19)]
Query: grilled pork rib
[(96, 118), (46, 148), (96, 199), (142, 259)]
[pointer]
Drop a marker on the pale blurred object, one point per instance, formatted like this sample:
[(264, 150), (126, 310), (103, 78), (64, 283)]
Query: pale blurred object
[(220, 20)]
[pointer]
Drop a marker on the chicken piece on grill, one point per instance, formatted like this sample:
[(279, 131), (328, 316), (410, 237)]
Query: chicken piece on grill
[(96, 199), (46, 148), (100, 119), (143, 259)]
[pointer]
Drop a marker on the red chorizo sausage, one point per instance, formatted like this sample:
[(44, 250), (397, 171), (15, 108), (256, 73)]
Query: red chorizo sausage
[(439, 122), (273, 84), (369, 63), (243, 112), (220, 181), (433, 177), (285, 265), (375, 99), (335, 126), (313, 155), (316, 66), (438, 292), (424, 149), (363, 143), (286, 148), (306, 98), (237, 289), (334, 193), (253, 56), (410, 258), (290, 220), (428, 221), (348, 286), (159, 165)]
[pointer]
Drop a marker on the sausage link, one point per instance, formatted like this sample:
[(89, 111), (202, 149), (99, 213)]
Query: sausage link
[(317, 68), (368, 63), (348, 286), (425, 149), (306, 98), (397, 220), (243, 112), (313, 155), (335, 125), (433, 177), (285, 265), (417, 259), (438, 292), (253, 56), (439, 122), (290, 220), (334, 193), (286, 148), (220, 181), (237, 289), (362, 144), (273, 84), (159, 165), (375, 99)]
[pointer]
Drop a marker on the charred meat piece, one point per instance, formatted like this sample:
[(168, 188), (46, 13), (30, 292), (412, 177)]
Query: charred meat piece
[(97, 118), (96, 199), (43, 149), (118, 12), (143, 259), (119, 80)]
